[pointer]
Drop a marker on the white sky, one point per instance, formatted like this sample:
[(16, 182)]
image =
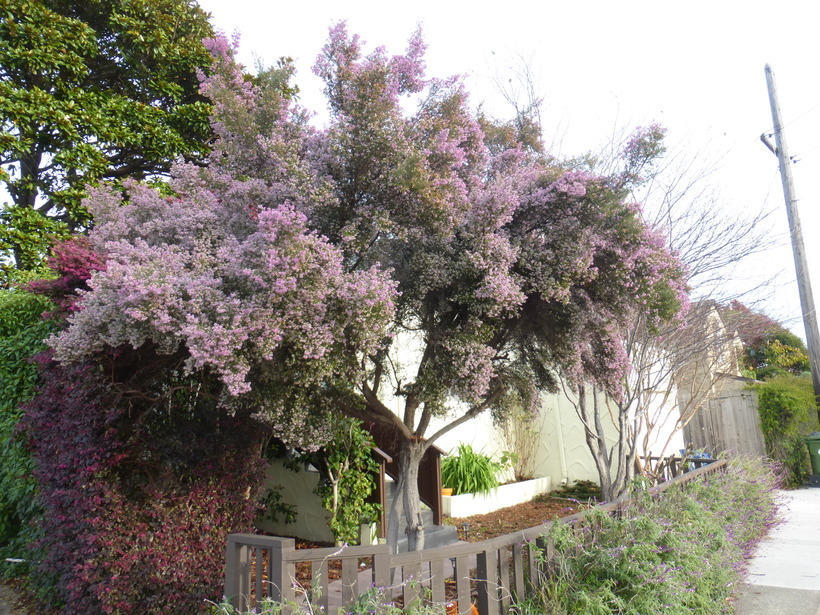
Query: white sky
[(696, 68)]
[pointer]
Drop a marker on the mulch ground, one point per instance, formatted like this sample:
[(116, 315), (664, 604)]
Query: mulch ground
[(515, 518)]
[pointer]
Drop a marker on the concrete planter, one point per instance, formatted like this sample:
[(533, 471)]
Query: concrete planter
[(468, 504)]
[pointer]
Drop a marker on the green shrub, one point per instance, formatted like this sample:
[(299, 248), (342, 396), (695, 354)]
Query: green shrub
[(581, 490), (470, 471), (677, 553), (788, 413), (348, 477), (22, 331)]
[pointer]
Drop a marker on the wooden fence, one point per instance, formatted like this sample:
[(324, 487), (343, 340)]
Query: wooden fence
[(728, 421), (664, 469), (493, 573)]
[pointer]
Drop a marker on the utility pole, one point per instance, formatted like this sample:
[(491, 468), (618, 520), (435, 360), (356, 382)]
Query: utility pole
[(800, 264)]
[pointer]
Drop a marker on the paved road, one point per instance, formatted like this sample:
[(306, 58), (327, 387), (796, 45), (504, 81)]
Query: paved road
[(784, 574)]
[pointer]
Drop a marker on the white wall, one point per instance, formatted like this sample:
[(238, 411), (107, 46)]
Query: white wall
[(664, 440), (562, 452), (311, 517)]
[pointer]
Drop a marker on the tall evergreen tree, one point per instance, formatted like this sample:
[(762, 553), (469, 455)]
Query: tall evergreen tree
[(90, 91)]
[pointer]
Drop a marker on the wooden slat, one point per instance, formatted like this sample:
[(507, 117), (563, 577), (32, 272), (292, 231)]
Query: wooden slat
[(381, 569), (532, 560), (519, 590), (487, 575), (462, 575), (350, 580), (504, 580), (258, 555), (437, 579), (289, 591), (319, 584), (411, 585), (549, 557)]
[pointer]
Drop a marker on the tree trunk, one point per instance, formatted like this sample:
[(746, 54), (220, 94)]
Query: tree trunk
[(596, 440), (393, 516), (335, 505), (407, 496)]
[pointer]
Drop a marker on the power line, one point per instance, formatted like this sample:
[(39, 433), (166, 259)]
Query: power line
[(801, 116)]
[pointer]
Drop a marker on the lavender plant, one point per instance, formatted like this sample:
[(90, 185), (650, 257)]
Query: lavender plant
[(680, 552), (374, 601)]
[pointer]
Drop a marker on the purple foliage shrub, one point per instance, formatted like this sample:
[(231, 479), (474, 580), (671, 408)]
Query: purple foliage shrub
[(137, 500), (137, 503)]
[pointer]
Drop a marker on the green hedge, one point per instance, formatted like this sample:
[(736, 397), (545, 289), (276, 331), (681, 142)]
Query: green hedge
[(788, 413), (22, 331)]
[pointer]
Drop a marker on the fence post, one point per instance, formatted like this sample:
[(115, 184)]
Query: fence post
[(282, 573), (237, 580)]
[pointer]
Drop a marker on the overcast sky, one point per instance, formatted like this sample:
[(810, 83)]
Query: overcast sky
[(696, 68)]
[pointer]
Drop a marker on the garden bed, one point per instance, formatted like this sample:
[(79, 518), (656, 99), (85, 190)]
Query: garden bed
[(515, 518), (467, 504)]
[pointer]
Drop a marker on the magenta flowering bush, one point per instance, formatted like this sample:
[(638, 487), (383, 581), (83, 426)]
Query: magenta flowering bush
[(73, 261), (238, 287)]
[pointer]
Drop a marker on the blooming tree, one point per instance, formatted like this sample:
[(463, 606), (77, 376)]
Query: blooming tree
[(510, 266), (311, 260)]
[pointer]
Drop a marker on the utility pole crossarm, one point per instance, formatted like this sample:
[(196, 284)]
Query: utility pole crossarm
[(798, 249), (768, 143)]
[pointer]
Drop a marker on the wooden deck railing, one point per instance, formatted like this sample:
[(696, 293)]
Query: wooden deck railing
[(492, 573)]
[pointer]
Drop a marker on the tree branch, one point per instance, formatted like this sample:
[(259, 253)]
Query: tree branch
[(382, 413), (471, 413)]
